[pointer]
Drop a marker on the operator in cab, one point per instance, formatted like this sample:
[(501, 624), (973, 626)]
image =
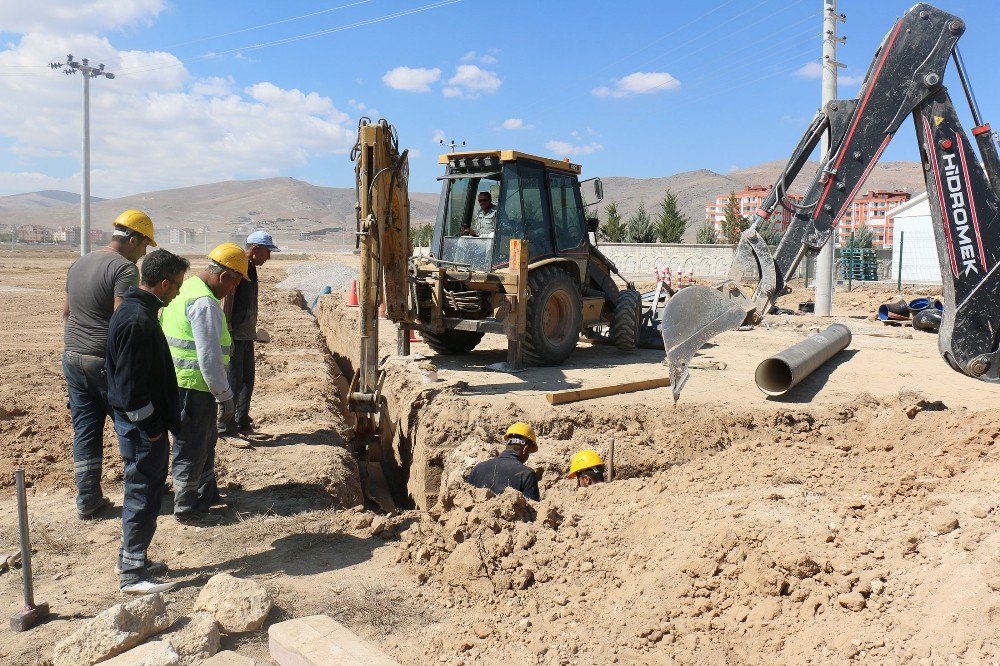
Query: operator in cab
[(508, 470), (484, 223)]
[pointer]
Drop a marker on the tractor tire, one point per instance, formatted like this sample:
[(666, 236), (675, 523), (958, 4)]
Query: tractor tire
[(554, 316), (451, 341), (626, 320)]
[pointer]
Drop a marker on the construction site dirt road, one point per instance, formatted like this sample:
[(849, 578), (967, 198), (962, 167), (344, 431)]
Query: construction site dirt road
[(855, 519)]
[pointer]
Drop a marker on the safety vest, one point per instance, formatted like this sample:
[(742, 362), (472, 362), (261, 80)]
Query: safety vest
[(177, 329)]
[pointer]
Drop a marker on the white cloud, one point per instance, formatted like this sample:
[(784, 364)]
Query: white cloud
[(76, 16), (414, 153), (486, 58), (566, 149), (154, 128), (471, 81), (810, 70), (639, 83), (411, 79), (438, 136), (515, 124)]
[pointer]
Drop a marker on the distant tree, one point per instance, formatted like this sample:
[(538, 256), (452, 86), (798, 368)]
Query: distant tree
[(613, 231), (706, 234), (863, 237), (769, 232), (421, 236), (670, 223), (640, 227), (734, 222)]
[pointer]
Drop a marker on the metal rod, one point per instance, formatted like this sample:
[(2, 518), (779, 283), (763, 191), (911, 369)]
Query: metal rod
[(899, 268), (85, 171), (22, 521), (963, 76), (777, 375)]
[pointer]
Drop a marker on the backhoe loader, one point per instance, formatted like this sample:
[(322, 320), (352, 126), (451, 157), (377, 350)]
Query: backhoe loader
[(905, 79)]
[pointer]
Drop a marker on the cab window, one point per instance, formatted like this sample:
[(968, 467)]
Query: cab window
[(567, 211)]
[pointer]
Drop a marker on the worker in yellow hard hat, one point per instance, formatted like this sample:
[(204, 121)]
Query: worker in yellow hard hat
[(95, 287), (508, 470), (200, 345), (587, 468)]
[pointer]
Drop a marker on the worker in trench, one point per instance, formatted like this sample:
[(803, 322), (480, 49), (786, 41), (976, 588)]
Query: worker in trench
[(95, 286), (587, 468), (241, 313), (142, 391), (508, 470), (200, 344)]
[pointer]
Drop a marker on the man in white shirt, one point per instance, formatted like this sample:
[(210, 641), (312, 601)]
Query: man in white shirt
[(484, 224)]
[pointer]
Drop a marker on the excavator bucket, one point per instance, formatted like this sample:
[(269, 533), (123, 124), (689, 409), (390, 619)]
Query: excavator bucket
[(692, 317)]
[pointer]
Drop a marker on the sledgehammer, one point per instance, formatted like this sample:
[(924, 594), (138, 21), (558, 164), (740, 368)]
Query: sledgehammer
[(32, 613)]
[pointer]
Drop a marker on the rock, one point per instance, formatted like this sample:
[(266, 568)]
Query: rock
[(765, 611), (155, 653), (944, 523), (319, 640), (229, 658), (482, 630), (113, 631), (465, 568), (853, 601), (237, 604), (803, 567), (195, 639)]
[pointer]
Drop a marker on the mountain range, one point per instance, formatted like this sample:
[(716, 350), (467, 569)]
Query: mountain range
[(305, 207)]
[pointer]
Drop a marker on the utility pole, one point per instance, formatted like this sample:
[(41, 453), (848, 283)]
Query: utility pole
[(87, 73), (452, 145), (824, 262)]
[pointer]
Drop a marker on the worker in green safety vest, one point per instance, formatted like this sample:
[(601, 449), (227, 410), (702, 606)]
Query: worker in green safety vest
[(200, 344)]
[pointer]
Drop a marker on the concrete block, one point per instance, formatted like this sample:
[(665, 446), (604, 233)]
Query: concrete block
[(154, 653), (319, 640), (228, 658)]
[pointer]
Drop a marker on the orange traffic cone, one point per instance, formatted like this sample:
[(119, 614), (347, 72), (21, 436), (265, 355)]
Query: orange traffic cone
[(668, 279), (352, 298)]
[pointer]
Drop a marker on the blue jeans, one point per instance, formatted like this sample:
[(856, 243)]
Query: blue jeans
[(241, 373), (87, 385), (194, 452), (145, 473)]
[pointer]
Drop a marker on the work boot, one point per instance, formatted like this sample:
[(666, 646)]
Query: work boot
[(146, 586), (92, 513), (197, 518)]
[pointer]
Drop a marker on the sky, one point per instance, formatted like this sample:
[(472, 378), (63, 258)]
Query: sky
[(212, 91)]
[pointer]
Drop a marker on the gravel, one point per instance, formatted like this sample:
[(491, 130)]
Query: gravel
[(311, 277)]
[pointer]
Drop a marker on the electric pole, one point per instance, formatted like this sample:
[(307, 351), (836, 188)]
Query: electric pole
[(824, 262), (452, 145), (87, 73)]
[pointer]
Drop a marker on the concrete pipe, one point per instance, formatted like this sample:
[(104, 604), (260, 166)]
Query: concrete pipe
[(778, 374)]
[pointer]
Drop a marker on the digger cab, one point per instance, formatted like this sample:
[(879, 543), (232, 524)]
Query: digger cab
[(533, 198)]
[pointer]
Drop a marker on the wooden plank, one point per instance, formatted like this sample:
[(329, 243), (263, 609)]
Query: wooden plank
[(575, 395)]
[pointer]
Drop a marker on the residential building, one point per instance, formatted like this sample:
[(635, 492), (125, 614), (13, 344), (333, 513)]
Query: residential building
[(33, 233), (749, 199), (870, 209), (68, 235), (181, 236)]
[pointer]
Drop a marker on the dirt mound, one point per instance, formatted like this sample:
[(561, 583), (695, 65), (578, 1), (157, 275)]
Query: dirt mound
[(863, 532)]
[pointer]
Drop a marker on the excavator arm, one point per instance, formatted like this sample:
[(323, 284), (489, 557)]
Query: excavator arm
[(904, 79)]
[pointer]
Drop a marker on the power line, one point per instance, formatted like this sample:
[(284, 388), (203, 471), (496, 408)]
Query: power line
[(296, 38), (267, 25)]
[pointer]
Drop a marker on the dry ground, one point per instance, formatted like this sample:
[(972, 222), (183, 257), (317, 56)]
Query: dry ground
[(738, 525)]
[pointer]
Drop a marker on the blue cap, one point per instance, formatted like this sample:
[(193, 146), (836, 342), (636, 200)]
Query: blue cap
[(262, 238)]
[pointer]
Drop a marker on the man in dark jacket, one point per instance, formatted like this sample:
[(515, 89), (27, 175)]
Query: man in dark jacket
[(508, 470), (142, 391)]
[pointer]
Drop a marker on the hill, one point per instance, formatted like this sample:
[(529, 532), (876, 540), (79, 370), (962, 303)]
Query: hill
[(43, 199)]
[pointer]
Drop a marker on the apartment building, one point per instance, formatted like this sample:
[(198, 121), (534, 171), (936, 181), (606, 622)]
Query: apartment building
[(749, 199), (871, 209)]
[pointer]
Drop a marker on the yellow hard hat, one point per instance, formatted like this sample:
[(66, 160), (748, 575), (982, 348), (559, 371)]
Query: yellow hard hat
[(233, 257), (584, 460), (138, 222), (522, 429)]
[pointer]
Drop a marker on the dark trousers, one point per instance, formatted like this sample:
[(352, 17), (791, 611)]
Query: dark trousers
[(145, 473), (242, 372), (87, 385), (193, 468)]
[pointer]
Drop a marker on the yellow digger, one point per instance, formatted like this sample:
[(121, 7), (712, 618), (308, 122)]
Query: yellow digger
[(532, 274)]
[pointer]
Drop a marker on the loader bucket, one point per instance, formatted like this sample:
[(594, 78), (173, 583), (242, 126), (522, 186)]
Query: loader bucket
[(692, 317)]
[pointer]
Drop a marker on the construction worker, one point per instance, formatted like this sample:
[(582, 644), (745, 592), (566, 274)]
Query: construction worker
[(95, 286), (200, 344), (484, 223), (587, 468), (241, 313), (508, 470), (142, 391)]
